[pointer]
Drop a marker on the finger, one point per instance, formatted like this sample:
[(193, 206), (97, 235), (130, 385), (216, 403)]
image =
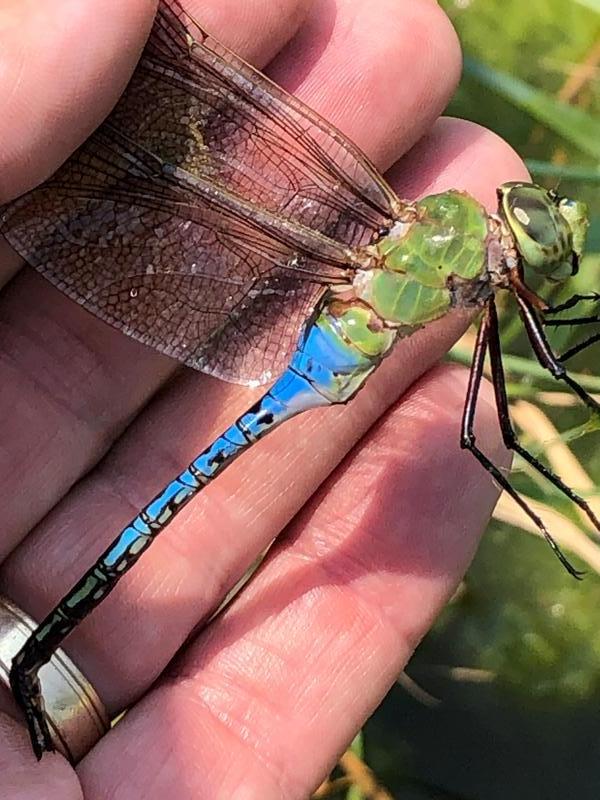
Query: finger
[(459, 154), (51, 98), (381, 72), (274, 690), (69, 384), (205, 550), (255, 30), (23, 778), (55, 59)]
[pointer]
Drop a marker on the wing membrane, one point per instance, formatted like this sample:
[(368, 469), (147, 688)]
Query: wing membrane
[(205, 217), (247, 133), (143, 252)]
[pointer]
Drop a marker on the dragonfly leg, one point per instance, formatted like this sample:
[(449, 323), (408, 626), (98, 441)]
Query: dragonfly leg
[(573, 321), (468, 441), (578, 348), (508, 434), (572, 302), (546, 356)]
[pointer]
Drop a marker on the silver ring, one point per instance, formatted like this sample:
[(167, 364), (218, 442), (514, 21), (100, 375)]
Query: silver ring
[(76, 716)]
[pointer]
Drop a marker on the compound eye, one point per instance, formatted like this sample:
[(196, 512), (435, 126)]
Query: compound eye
[(541, 233), (575, 214)]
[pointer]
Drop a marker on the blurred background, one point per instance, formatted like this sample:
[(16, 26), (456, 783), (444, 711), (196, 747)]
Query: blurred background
[(502, 700)]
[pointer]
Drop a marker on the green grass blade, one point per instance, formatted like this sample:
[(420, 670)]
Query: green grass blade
[(546, 169), (517, 365), (357, 747), (577, 127)]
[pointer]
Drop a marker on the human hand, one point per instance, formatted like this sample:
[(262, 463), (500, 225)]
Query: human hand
[(378, 528)]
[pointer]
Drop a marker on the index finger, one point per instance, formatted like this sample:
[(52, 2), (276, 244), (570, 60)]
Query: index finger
[(65, 64), (52, 95)]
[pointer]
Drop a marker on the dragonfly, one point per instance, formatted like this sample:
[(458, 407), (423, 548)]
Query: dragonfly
[(217, 219)]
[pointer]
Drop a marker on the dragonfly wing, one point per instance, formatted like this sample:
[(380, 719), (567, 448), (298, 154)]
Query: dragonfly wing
[(175, 270), (196, 104), (206, 180)]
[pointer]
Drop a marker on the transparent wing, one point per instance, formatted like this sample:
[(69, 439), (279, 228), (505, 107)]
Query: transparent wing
[(206, 216), (191, 277), (242, 130)]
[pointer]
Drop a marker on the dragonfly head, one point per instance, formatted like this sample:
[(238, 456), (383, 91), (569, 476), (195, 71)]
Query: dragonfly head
[(549, 231)]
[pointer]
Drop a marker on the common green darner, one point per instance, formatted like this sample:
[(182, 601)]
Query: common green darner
[(216, 219)]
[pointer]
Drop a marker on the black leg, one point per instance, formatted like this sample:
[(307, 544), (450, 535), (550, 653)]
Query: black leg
[(545, 355), (561, 323), (468, 440), (578, 348), (508, 433), (574, 321), (572, 302)]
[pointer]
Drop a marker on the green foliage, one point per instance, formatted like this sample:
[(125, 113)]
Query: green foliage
[(577, 127), (523, 54), (594, 5), (529, 625)]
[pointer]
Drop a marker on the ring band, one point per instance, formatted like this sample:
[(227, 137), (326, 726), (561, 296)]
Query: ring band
[(76, 715)]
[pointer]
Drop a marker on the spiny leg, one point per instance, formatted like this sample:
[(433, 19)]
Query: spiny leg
[(572, 302), (578, 348), (468, 441), (508, 434), (546, 356), (574, 321), (571, 321)]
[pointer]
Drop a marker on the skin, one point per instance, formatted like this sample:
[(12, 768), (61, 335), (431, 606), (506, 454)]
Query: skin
[(378, 531)]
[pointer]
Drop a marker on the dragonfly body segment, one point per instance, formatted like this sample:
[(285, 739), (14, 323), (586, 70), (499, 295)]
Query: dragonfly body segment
[(220, 221), (425, 261)]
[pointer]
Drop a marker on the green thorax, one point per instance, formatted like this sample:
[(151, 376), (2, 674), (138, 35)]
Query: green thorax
[(422, 259)]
